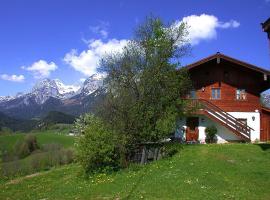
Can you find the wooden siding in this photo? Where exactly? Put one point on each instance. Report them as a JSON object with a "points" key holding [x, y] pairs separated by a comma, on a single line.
{"points": [[228, 77]]}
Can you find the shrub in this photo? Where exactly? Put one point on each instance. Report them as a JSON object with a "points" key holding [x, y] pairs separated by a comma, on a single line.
{"points": [[52, 147], [26, 146], [171, 149], [12, 168], [67, 156], [37, 162], [96, 145], [21, 149], [5, 131], [211, 132], [31, 141]]}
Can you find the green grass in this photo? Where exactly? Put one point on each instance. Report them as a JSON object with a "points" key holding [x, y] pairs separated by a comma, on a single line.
{"points": [[50, 136], [25, 166], [232, 171]]}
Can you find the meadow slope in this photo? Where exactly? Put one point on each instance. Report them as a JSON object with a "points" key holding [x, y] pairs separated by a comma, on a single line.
{"points": [[231, 171]]}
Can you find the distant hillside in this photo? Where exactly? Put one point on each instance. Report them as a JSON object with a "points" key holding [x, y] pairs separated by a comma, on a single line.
{"points": [[53, 117], [56, 117], [16, 124]]}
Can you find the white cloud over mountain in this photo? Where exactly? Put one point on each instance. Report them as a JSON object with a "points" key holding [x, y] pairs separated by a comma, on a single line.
{"points": [[13, 78], [204, 27], [87, 61], [200, 27], [41, 68]]}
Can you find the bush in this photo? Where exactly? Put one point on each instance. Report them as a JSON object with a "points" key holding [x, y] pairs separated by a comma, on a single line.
{"points": [[26, 146], [31, 141], [52, 147], [211, 132], [37, 162], [96, 145], [12, 168], [5, 131], [171, 149], [67, 156]]}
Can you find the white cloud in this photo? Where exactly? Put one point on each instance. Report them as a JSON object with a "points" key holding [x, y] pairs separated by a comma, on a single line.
{"points": [[14, 78], [101, 29], [82, 80], [41, 68], [200, 27], [204, 27], [87, 61], [230, 24]]}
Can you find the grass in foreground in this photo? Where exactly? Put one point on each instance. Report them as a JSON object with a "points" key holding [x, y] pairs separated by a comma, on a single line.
{"points": [[232, 171]]}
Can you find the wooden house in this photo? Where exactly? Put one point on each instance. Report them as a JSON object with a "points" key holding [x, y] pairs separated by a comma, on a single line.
{"points": [[227, 94]]}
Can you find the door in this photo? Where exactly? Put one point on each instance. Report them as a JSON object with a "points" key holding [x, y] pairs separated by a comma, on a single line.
{"points": [[265, 127], [192, 131]]}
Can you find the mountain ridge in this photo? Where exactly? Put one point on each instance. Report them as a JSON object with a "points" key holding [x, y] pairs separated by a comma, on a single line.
{"points": [[53, 95]]}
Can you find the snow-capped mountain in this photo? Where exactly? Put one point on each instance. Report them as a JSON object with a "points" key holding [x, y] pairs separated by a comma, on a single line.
{"points": [[45, 89], [67, 91], [6, 98], [265, 99], [53, 95], [91, 84], [53, 88]]}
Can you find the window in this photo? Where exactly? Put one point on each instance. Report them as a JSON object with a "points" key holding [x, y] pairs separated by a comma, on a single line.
{"points": [[241, 94], [215, 93]]}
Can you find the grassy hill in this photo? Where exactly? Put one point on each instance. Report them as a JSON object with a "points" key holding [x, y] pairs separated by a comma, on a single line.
{"points": [[51, 118], [55, 117], [50, 136], [16, 124], [232, 171]]}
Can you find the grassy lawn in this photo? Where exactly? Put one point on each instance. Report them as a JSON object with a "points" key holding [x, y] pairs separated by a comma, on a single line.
{"points": [[232, 171], [8, 141]]}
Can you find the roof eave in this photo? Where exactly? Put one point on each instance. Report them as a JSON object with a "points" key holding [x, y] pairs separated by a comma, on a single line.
{"points": [[233, 60]]}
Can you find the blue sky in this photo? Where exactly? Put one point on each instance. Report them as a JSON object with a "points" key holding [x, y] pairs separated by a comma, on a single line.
{"points": [[65, 38]]}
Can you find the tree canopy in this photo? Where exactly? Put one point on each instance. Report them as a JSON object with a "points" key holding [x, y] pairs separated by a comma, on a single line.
{"points": [[144, 84]]}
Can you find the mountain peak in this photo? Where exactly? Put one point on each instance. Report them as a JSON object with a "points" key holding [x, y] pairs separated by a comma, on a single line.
{"points": [[92, 83], [53, 95], [46, 88]]}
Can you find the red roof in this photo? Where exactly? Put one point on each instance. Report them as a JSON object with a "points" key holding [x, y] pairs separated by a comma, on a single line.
{"points": [[230, 59]]}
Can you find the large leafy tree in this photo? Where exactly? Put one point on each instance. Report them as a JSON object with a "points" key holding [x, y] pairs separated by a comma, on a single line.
{"points": [[144, 84]]}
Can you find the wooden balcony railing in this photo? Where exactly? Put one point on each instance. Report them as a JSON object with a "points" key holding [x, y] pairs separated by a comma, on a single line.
{"points": [[213, 111]]}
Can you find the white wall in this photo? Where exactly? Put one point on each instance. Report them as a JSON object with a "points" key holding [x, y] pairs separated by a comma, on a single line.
{"points": [[255, 134], [223, 134]]}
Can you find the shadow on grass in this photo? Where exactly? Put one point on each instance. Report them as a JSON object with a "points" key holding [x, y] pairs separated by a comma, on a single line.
{"points": [[264, 146]]}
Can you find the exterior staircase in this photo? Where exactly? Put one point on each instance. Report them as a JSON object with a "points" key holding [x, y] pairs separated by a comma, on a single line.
{"points": [[202, 106]]}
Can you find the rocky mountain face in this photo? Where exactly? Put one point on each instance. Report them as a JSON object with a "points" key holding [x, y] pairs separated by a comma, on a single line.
{"points": [[91, 84], [52, 95], [265, 99]]}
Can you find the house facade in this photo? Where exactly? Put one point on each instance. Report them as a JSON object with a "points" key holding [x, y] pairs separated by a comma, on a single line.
{"points": [[226, 94]]}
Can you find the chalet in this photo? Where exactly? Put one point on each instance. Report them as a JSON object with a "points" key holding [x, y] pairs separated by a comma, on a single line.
{"points": [[227, 95]]}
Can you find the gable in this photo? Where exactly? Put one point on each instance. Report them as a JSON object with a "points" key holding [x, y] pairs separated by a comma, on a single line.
{"points": [[222, 68]]}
